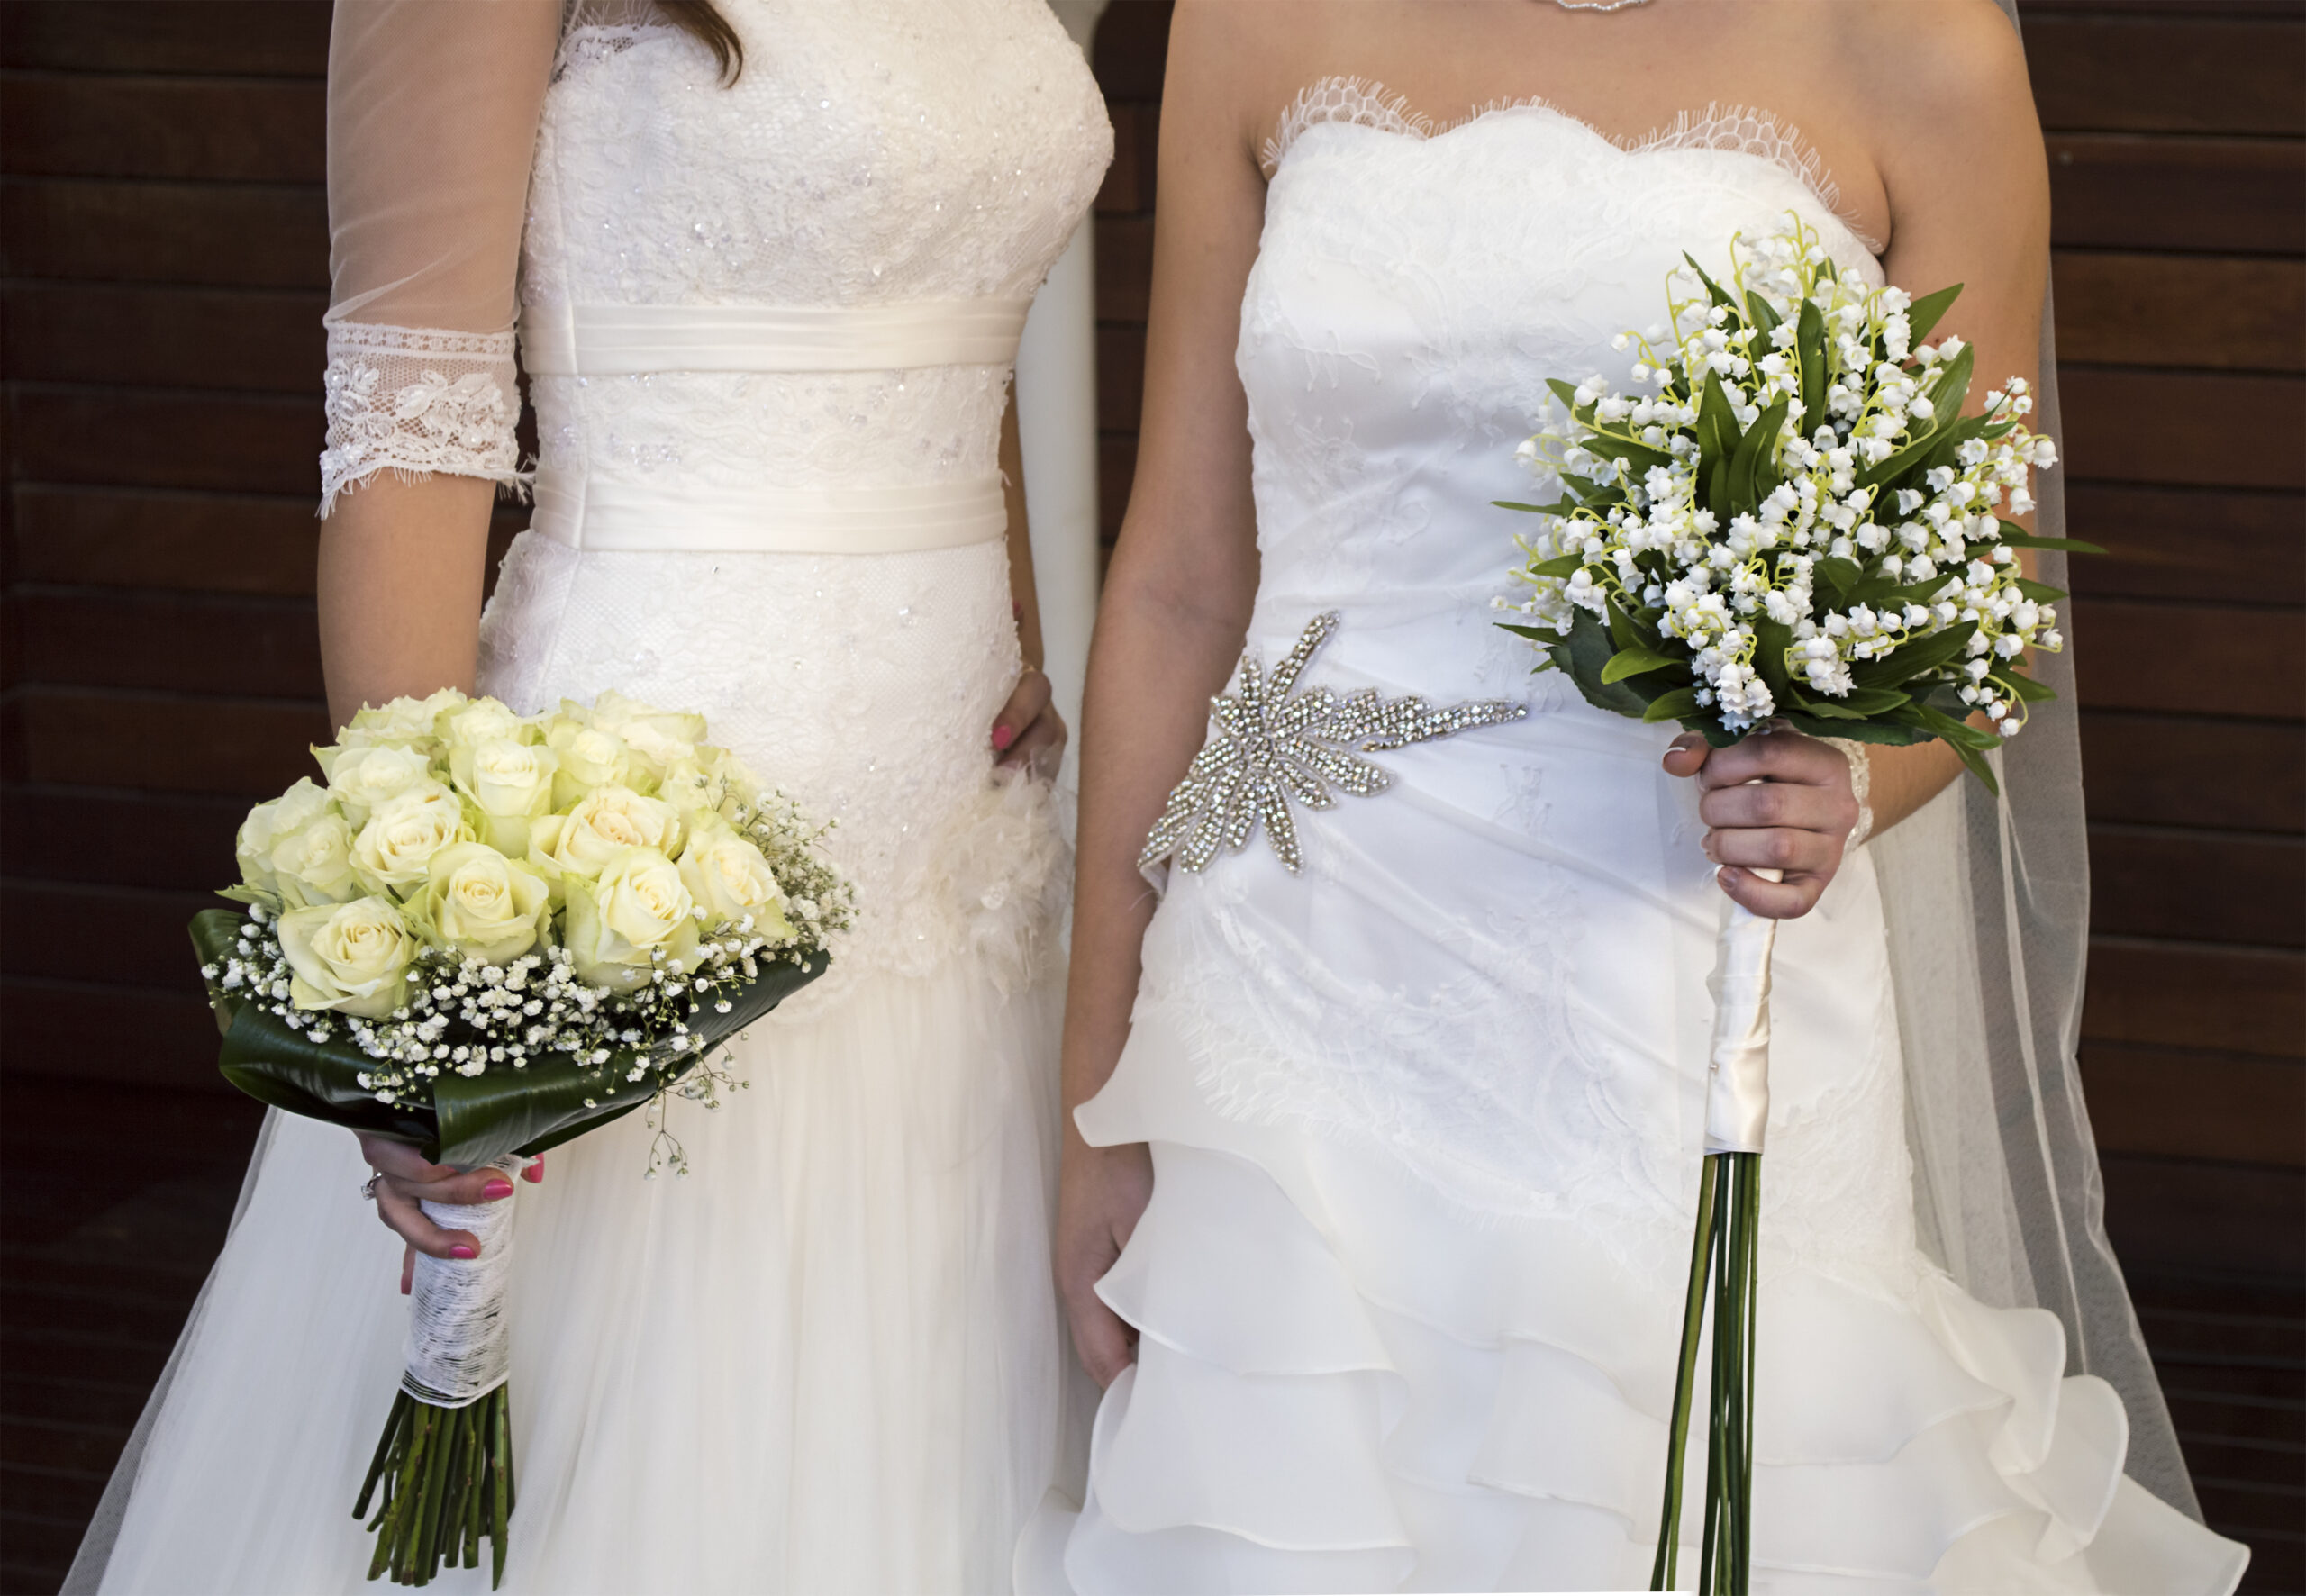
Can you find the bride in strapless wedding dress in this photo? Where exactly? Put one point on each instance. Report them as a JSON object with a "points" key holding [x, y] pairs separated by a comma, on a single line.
{"points": [[772, 258], [1377, 1196]]}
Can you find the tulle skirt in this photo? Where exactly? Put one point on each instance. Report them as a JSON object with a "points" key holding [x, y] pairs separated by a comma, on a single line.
{"points": [[827, 1360]]}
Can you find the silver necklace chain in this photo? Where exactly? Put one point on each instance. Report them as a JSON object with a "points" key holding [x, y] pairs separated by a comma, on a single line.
{"points": [[1598, 4]]}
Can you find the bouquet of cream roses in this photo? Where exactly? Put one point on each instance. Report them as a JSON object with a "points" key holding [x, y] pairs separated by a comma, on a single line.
{"points": [[1794, 525], [484, 935]]}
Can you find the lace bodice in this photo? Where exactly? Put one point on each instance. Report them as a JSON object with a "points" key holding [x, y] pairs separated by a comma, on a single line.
{"points": [[1495, 969], [872, 154]]}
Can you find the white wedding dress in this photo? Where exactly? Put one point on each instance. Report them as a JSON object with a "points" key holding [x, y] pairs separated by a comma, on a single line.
{"points": [[768, 329], [1425, 1118]]}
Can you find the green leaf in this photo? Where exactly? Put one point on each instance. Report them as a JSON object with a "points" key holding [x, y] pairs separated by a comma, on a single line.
{"points": [[2041, 593], [1634, 662], [1758, 311], [1557, 508], [1810, 343], [1952, 387], [2018, 536], [1837, 574], [1923, 654], [1711, 288], [1771, 640], [1561, 565], [1672, 706], [1638, 454], [1758, 442], [1582, 657], [1629, 630], [1862, 703], [1536, 634], [1925, 312], [2024, 687], [1564, 392], [1888, 733]]}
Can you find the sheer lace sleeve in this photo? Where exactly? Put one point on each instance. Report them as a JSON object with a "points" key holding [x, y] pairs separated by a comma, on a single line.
{"points": [[432, 112]]}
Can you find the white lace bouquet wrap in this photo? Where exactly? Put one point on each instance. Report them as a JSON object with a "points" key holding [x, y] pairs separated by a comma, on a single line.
{"points": [[486, 934], [1791, 524]]}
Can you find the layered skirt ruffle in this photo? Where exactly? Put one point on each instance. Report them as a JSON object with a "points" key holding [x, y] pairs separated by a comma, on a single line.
{"points": [[1345, 1383]]}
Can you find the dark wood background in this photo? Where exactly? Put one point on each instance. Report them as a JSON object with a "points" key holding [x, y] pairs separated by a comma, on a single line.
{"points": [[166, 247]]}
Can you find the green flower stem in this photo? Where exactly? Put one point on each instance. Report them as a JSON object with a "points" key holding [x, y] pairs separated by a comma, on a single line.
{"points": [[446, 1479], [1724, 1263]]}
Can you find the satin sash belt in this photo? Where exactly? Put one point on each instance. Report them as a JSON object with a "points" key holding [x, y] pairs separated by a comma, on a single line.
{"points": [[589, 513], [621, 340]]}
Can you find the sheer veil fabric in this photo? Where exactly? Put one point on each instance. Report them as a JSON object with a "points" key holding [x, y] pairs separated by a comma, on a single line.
{"points": [[1991, 958]]}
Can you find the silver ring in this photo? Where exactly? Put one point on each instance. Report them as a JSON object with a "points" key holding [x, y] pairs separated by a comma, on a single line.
{"points": [[369, 1187]]}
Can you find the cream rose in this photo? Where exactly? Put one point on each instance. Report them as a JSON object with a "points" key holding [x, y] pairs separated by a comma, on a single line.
{"points": [[701, 785], [403, 719], [620, 921], [293, 850], [510, 782], [476, 901], [729, 878], [656, 737], [604, 821], [394, 850], [589, 758], [352, 958], [481, 719], [364, 780]]}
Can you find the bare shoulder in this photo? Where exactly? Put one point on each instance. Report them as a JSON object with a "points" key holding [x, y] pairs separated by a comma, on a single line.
{"points": [[1243, 63], [1936, 64]]}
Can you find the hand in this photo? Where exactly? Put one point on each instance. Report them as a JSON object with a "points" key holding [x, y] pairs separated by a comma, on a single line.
{"points": [[1778, 800], [1028, 734], [404, 1180], [1099, 1193]]}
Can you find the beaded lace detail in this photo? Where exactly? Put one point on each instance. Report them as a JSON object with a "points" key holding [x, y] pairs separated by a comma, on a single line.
{"points": [[413, 400], [1742, 129]]}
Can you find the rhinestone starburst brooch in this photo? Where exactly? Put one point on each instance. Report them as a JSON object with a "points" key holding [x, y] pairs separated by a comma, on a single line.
{"points": [[1270, 744]]}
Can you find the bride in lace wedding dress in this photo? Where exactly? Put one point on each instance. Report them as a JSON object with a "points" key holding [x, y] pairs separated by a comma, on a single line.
{"points": [[768, 306], [1377, 1220]]}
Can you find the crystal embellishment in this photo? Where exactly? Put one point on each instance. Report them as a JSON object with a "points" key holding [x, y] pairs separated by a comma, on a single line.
{"points": [[1271, 744]]}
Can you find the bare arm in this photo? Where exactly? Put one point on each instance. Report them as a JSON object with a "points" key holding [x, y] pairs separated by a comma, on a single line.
{"points": [[1027, 732], [1175, 608], [401, 568], [1960, 156]]}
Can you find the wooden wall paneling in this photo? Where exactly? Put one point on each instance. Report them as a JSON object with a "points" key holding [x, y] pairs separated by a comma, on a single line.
{"points": [[2188, 543], [2196, 1104], [2187, 195], [2205, 886], [2217, 430], [2199, 660], [238, 235], [2236, 314], [160, 538], [139, 336], [75, 124], [162, 741], [158, 840], [228, 38], [2174, 73], [240, 443], [2194, 994], [174, 642], [2165, 770]]}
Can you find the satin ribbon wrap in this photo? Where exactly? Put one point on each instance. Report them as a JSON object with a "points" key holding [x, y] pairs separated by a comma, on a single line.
{"points": [[1737, 1087], [459, 1336]]}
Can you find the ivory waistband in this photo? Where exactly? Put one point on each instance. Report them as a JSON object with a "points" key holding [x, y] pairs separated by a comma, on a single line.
{"points": [[615, 341], [587, 513]]}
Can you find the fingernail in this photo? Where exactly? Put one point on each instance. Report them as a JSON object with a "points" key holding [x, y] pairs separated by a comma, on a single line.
{"points": [[497, 1189], [1002, 737], [534, 1173], [461, 1251]]}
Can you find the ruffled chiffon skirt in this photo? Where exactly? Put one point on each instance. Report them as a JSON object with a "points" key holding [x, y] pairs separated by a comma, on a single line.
{"points": [[826, 1361], [1343, 1384]]}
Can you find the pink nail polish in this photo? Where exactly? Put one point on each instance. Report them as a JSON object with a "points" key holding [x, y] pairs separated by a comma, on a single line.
{"points": [[497, 1189], [534, 1173], [461, 1251], [1002, 737]]}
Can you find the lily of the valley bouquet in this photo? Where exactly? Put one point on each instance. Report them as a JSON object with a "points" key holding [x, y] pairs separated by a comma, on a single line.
{"points": [[484, 935], [1795, 524]]}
